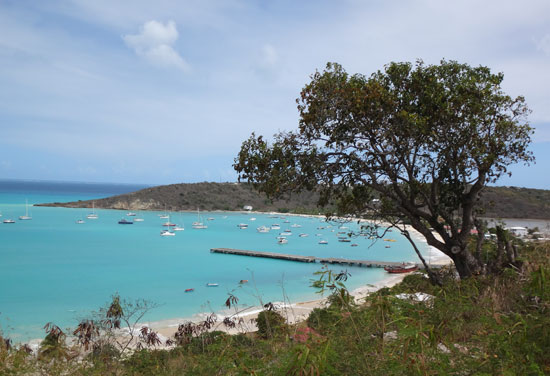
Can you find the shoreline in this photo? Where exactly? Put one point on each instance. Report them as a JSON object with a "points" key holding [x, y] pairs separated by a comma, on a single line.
{"points": [[293, 311]]}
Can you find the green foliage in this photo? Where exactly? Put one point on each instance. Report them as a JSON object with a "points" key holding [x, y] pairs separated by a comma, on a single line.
{"points": [[270, 323], [53, 346], [322, 319]]}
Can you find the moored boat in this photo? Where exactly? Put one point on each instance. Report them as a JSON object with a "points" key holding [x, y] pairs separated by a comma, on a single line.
{"points": [[263, 229], [212, 285], [167, 233], [92, 215], [26, 217], [124, 221], [198, 225], [189, 290], [9, 221], [403, 268]]}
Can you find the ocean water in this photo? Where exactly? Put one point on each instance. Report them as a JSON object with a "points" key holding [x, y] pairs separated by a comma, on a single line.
{"points": [[55, 270]]}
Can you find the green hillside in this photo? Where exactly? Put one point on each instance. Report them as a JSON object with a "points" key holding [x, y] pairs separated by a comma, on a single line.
{"points": [[498, 202], [206, 196]]}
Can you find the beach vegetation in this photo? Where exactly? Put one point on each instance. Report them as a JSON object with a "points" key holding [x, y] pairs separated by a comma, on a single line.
{"points": [[412, 143], [494, 324], [270, 323]]}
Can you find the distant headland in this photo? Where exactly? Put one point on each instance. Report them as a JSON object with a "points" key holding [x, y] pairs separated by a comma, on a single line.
{"points": [[499, 202]]}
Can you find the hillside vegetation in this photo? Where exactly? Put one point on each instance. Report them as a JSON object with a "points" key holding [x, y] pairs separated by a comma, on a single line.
{"points": [[498, 202], [206, 196], [484, 325]]}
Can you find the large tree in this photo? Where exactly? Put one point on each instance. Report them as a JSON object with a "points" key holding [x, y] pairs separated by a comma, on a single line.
{"points": [[413, 143]]}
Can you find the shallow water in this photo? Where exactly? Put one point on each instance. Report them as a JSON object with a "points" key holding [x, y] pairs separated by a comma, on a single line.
{"points": [[53, 269]]}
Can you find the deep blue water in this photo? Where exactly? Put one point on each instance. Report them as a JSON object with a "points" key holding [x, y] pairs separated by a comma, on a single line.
{"points": [[53, 269]]}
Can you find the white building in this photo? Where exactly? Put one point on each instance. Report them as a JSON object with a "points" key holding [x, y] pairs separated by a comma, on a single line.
{"points": [[518, 231]]}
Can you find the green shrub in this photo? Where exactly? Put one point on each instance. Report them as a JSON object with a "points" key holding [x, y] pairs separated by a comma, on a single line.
{"points": [[270, 323], [322, 319]]}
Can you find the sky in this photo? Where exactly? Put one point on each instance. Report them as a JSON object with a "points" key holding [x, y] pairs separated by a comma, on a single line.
{"points": [[160, 92]]}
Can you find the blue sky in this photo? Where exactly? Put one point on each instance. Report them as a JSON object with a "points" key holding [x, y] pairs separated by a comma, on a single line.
{"points": [[166, 91]]}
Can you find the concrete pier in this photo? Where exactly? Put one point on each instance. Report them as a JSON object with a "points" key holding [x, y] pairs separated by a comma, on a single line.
{"points": [[330, 260]]}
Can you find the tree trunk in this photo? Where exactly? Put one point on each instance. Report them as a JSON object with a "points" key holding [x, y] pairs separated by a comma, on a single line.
{"points": [[465, 263], [433, 277]]}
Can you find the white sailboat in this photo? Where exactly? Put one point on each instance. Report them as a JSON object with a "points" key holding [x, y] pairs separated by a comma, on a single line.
{"points": [[167, 233], [92, 215], [26, 217], [179, 228], [198, 225]]}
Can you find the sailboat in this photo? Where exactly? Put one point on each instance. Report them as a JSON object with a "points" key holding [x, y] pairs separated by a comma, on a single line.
{"points": [[26, 217], [178, 228], [165, 215], [198, 224], [167, 233], [168, 223], [92, 215]]}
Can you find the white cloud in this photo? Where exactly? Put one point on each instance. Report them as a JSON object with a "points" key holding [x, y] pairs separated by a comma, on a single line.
{"points": [[154, 43], [544, 44]]}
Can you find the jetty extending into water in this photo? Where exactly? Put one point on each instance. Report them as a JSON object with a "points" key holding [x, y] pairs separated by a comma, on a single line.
{"points": [[322, 260]]}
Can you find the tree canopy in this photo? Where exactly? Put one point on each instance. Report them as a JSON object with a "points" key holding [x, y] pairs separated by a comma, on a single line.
{"points": [[423, 139]]}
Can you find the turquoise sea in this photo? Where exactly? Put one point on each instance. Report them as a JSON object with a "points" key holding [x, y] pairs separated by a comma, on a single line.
{"points": [[53, 269]]}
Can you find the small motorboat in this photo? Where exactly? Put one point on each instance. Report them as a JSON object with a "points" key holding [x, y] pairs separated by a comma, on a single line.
{"points": [[130, 214], [282, 240], [295, 225], [263, 229], [80, 221], [323, 242], [189, 290], [355, 245], [303, 235], [212, 285], [403, 268], [242, 226], [123, 221], [243, 281], [138, 219], [286, 233], [9, 221], [167, 233], [275, 226]]}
